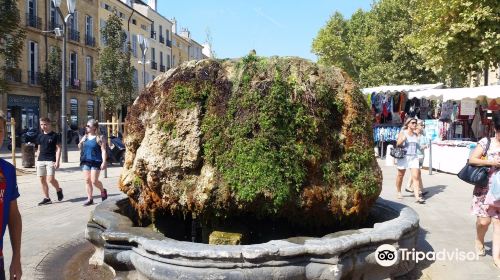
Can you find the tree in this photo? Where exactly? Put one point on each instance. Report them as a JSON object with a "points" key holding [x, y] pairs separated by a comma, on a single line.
{"points": [[114, 69], [370, 45], [11, 39], [51, 80], [457, 37]]}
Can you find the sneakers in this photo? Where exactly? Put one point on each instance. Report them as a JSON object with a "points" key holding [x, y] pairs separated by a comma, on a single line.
{"points": [[60, 195], [89, 202], [45, 201], [104, 194]]}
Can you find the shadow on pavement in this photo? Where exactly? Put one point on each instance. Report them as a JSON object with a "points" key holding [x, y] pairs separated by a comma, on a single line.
{"points": [[96, 198]]}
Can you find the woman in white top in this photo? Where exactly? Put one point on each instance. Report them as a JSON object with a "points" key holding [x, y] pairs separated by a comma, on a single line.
{"points": [[408, 139]]}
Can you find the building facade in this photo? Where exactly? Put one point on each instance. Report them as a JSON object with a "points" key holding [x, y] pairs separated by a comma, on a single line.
{"points": [[26, 101], [160, 40]]}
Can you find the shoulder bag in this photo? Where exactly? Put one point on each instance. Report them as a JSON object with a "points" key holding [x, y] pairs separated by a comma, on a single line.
{"points": [[476, 175]]}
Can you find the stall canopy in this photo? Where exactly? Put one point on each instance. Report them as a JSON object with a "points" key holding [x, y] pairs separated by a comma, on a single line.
{"points": [[401, 88], [490, 92]]}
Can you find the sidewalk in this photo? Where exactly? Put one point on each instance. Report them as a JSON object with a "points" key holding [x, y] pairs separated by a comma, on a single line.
{"points": [[446, 223], [445, 219], [48, 227]]}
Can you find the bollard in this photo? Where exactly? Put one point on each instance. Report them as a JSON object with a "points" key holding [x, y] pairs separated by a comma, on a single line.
{"points": [[13, 142], [430, 157], [107, 143]]}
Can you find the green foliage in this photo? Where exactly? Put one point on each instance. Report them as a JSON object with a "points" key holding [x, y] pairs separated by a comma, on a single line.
{"points": [[370, 46], [457, 37], [11, 39], [262, 142], [51, 80], [183, 97], [113, 68]]}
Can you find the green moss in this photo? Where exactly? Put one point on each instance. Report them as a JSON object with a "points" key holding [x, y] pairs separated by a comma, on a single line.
{"points": [[137, 182], [262, 143]]}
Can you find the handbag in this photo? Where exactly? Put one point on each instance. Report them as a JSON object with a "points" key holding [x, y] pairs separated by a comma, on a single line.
{"points": [[475, 175], [398, 152]]}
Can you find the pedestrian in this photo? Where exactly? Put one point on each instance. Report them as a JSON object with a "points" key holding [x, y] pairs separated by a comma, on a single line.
{"points": [[487, 153], [49, 158], [423, 144], [93, 159], [408, 139], [9, 212]]}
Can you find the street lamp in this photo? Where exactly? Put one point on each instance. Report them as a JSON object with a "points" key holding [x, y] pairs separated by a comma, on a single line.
{"points": [[143, 44], [71, 10]]}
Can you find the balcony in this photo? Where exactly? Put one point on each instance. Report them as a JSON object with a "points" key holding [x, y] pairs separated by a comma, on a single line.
{"points": [[53, 25], [89, 40], [13, 75], [162, 68], [90, 86], [169, 43], [153, 34], [74, 83], [154, 65], [33, 21], [73, 35], [162, 39], [33, 78]]}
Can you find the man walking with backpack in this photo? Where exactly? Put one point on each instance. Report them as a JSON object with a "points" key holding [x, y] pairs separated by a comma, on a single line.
{"points": [[49, 158]]}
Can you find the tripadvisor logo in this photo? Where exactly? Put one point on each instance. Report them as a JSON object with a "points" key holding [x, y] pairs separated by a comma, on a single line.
{"points": [[386, 255]]}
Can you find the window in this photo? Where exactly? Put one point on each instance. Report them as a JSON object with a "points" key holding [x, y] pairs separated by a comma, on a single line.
{"points": [[144, 27], [161, 58], [32, 8], [168, 61], [73, 70], [89, 26], [73, 21], [103, 25], [32, 62], [90, 109], [173, 60], [107, 7], [168, 35], [134, 22], [54, 16], [73, 111], [153, 55], [134, 45], [88, 68]]}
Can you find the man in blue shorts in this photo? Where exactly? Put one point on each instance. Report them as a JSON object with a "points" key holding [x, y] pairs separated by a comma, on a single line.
{"points": [[9, 213]]}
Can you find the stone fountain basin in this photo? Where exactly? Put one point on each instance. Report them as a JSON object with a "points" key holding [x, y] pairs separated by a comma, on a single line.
{"points": [[341, 255]]}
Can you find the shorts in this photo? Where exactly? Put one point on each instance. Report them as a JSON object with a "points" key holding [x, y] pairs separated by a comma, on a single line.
{"points": [[408, 162], [45, 168], [86, 167]]}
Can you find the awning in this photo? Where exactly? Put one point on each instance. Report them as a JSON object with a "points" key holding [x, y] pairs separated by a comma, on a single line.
{"points": [[401, 88], [490, 92]]}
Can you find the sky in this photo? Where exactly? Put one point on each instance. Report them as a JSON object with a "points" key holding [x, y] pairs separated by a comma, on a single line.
{"points": [[271, 27]]}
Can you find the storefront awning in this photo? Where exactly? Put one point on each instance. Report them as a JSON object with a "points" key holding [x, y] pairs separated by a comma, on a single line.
{"points": [[490, 92], [401, 88]]}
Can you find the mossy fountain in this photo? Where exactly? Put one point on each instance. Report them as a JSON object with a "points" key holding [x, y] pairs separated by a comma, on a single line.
{"points": [[257, 168]]}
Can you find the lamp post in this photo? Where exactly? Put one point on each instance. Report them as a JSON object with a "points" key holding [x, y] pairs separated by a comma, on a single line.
{"points": [[143, 44], [64, 129]]}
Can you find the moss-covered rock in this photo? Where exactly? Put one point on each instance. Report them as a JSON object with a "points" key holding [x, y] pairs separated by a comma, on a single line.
{"points": [[262, 136]]}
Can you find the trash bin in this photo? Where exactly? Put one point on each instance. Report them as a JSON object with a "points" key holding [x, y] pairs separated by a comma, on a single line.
{"points": [[28, 154]]}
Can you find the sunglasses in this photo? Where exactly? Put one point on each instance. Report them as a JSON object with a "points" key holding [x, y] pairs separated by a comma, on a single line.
{"points": [[89, 126], [413, 122]]}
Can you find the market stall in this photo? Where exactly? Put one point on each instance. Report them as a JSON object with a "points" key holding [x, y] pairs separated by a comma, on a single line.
{"points": [[470, 120], [389, 106], [455, 119]]}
